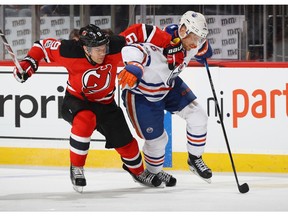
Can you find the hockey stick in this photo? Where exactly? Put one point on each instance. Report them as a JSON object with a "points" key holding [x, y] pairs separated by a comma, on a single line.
{"points": [[10, 51], [244, 188]]}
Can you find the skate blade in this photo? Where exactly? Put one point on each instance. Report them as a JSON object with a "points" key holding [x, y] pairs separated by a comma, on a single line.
{"points": [[195, 172], [78, 189], [207, 180], [162, 185]]}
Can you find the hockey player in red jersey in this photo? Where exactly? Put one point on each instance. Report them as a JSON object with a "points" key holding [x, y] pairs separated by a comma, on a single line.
{"points": [[89, 101], [150, 87]]}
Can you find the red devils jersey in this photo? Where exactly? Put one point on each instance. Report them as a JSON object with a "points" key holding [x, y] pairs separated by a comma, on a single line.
{"points": [[146, 33], [95, 82]]}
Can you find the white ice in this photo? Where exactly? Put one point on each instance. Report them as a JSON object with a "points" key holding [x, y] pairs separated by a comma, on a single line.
{"points": [[49, 190]]}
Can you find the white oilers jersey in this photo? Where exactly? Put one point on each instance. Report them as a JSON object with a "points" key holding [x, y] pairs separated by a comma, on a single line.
{"points": [[157, 79]]}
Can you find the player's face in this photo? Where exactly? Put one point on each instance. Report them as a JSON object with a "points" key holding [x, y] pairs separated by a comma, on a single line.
{"points": [[191, 41], [98, 54]]}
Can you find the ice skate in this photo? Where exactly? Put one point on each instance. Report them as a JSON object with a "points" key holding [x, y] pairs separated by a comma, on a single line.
{"points": [[168, 179], [198, 167], [77, 178], [145, 178]]}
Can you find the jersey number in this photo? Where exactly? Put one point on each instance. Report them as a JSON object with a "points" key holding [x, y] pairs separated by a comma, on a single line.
{"points": [[52, 44], [131, 38]]}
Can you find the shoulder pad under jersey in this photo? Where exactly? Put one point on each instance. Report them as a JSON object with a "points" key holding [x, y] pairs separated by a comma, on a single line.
{"points": [[71, 49], [172, 30], [117, 42]]}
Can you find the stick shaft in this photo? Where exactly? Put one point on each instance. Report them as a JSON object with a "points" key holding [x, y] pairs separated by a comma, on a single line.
{"points": [[10, 51], [221, 120]]}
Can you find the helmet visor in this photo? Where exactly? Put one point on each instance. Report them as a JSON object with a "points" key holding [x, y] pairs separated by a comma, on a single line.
{"points": [[102, 49]]}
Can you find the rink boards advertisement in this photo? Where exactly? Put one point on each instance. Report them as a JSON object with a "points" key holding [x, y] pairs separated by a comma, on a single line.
{"points": [[254, 103]]}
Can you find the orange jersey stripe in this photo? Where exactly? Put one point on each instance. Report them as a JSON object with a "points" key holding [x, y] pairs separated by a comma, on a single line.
{"points": [[130, 109], [154, 90]]}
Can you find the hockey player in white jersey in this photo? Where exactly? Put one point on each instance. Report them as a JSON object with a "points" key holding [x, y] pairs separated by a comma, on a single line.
{"points": [[150, 87]]}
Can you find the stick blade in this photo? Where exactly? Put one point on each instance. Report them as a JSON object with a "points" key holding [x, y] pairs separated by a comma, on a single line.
{"points": [[244, 188]]}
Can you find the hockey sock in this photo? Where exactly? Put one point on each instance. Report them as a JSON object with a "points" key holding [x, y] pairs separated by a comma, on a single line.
{"points": [[131, 157], [83, 126]]}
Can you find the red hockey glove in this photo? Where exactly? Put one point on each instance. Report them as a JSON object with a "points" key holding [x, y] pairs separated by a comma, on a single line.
{"points": [[131, 73], [29, 66], [174, 53], [204, 52]]}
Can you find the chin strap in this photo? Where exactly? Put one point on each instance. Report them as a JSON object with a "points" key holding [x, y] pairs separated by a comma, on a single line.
{"points": [[90, 59], [88, 56]]}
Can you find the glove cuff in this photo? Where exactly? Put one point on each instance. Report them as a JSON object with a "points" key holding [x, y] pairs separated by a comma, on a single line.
{"points": [[32, 62], [203, 50], [135, 68]]}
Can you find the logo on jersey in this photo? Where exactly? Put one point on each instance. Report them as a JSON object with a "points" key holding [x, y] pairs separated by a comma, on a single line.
{"points": [[149, 130], [95, 80]]}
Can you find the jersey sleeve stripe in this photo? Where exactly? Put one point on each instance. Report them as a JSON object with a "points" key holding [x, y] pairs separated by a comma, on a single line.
{"points": [[41, 46], [151, 34], [144, 32]]}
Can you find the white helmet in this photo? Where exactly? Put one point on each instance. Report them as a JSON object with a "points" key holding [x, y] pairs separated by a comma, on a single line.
{"points": [[194, 22]]}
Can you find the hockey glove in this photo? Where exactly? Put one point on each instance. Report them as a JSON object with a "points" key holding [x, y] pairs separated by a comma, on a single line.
{"points": [[204, 52], [131, 73], [29, 66], [174, 53]]}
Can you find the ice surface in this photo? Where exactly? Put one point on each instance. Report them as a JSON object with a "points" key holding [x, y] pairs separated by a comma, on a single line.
{"points": [[108, 190]]}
